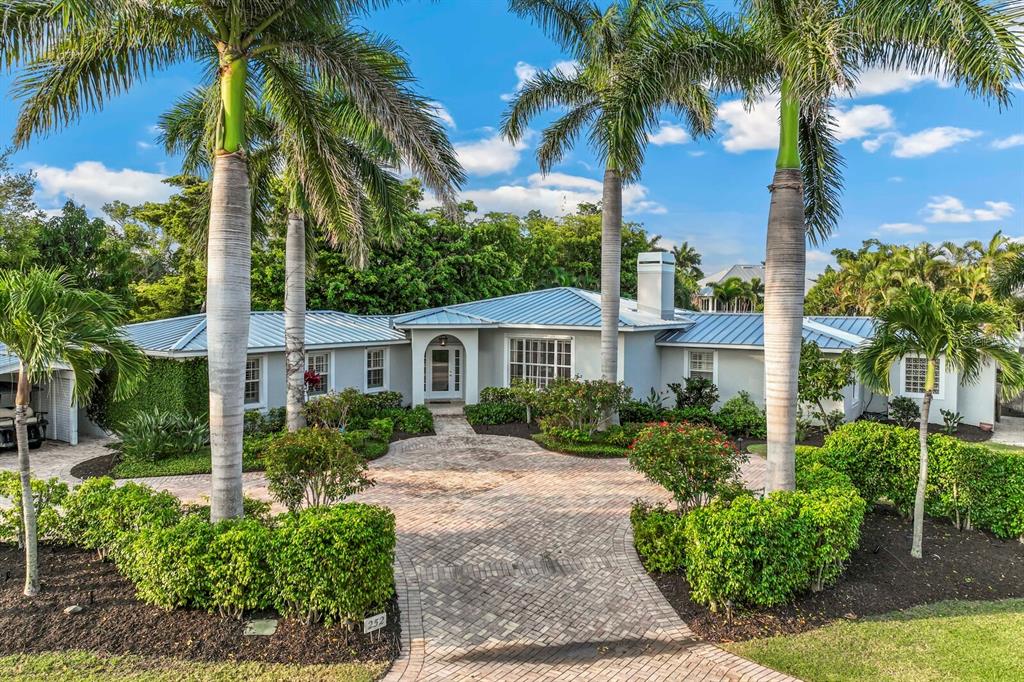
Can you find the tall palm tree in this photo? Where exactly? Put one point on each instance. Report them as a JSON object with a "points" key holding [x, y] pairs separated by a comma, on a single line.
{"points": [[805, 53], [339, 175], [44, 322], [1009, 277], [77, 55], [608, 44], [939, 327]]}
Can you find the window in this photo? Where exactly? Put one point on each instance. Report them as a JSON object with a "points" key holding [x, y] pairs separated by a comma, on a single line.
{"points": [[539, 360], [914, 372], [375, 368], [320, 363], [702, 364], [253, 377]]}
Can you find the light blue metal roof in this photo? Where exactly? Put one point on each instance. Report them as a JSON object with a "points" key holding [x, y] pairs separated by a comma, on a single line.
{"points": [[559, 307], [747, 329], [187, 335]]}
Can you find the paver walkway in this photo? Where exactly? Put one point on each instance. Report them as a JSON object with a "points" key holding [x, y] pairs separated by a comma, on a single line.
{"points": [[1009, 430], [515, 563]]}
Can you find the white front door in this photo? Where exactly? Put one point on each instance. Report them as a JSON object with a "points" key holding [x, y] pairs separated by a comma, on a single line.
{"points": [[443, 373]]}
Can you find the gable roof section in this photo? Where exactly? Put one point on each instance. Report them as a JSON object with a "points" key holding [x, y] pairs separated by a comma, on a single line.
{"points": [[558, 307], [186, 335], [746, 330]]}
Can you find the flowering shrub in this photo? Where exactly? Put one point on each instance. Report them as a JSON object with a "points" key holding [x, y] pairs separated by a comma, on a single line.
{"points": [[580, 404], [691, 461], [312, 380]]}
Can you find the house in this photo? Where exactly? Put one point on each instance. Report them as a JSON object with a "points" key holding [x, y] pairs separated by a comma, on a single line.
{"points": [[706, 299], [54, 412], [451, 352]]}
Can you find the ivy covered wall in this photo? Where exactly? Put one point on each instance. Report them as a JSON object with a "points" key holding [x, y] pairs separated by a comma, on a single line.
{"points": [[180, 386]]}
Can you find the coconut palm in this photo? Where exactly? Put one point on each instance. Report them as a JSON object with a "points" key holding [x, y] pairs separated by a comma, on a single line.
{"points": [[1009, 277], [45, 322], [607, 45], [77, 55], [939, 327], [803, 54]]}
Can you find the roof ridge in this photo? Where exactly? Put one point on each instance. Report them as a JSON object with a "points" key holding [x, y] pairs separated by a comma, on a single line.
{"points": [[190, 335]]}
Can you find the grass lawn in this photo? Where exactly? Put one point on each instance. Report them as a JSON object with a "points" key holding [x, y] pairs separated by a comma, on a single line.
{"points": [[944, 641], [758, 449], [82, 666], [1003, 447], [195, 463]]}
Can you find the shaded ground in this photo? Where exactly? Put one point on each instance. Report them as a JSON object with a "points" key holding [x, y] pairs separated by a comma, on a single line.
{"points": [[881, 578], [114, 622], [515, 429]]}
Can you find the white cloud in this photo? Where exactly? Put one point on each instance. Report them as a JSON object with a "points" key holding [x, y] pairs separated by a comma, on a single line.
{"points": [[525, 71], [668, 133], [442, 114], [895, 178], [490, 155], [817, 261], [923, 143], [143, 145], [758, 127], [1008, 142], [556, 194], [879, 81], [901, 228], [949, 209], [92, 184], [696, 153]]}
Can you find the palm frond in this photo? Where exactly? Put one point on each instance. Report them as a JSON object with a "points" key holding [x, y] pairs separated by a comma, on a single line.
{"points": [[567, 22], [545, 90], [821, 167]]}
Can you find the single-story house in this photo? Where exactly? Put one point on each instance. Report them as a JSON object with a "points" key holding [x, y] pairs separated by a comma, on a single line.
{"points": [[451, 352], [54, 412]]}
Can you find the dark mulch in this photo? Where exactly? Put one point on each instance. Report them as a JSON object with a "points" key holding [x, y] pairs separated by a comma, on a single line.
{"points": [[965, 432], [515, 429], [114, 622], [814, 438], [403, 435], [95, 467], [882, 577]]}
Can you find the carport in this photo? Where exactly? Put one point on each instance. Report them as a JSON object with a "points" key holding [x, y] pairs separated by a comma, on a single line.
{"points": [[50, 401]]}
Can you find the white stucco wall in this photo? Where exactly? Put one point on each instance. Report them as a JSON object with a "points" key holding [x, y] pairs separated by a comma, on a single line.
{"points": [[736, 370], [641, 364], [977, 401], [946, 400]]}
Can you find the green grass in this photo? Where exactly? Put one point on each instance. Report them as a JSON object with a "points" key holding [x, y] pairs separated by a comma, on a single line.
{"points": [[944, 641], [1003, 447], [596, 450], [758, 449], [83, 666]]}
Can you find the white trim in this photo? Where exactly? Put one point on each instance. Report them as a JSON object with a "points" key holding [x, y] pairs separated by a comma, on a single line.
{"points": [[366, 369], [456, 375], [327, 383], [940, 373], [262, 404], [730, 346], [849, 337], [566, 327], [714, 362], [507, 350]]}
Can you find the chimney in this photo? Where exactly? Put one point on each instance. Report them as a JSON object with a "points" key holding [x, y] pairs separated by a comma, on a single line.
{"points": [[656, 284]]}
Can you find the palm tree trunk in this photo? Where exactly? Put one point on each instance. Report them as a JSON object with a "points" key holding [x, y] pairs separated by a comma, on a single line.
{"points": [[922, 471], [227, 330], [295, 318], [28, 507], [611, 264]]}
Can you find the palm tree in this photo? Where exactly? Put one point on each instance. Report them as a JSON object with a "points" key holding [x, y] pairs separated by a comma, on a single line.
{"points": [[608, 45], [939, 327], [77, 55], [1009, 277], [45, 322], [688, 259], [806, 53]]}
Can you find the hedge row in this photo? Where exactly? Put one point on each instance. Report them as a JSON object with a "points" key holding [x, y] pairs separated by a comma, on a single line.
{"points": [[757, 551], [179, 387], [968, 483], [324, 563]]}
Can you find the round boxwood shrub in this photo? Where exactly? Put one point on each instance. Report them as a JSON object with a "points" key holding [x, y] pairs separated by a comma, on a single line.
{"points": [[240, 566]]}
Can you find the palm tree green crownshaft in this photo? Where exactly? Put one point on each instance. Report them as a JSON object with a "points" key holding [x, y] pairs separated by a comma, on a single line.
{"points": [[45, 322], [949, 333], [77, 55], [608, 46], [806, 53]]}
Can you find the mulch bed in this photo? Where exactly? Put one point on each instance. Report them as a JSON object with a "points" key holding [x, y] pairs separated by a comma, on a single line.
{"points": [[404, 435], [114, 622], [515, 429], [881, 578], [95, 467]]}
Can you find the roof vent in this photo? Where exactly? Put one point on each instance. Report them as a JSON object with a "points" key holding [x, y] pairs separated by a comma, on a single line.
{"points": [[656, 284]]}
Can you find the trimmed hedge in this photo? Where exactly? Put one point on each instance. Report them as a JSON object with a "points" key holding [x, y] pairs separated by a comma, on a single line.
{"points": [[495, 413], [177, 386], [595, 450], [970, 484]]}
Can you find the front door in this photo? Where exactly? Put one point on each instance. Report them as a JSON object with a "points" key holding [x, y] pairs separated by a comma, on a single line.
{"points": [[443, 370]]}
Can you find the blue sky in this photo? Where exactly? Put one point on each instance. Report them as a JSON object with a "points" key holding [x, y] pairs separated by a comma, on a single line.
{"points": [[924, 161]]}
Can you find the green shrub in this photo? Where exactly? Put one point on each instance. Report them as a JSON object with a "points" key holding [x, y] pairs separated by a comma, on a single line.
{"points": [[689, 460], [658, 537], [495, 413], [414, 420], [497, 395], [697, 392], [259, 423], [334, 563], [252, 508], [580, 404], [158, 434], [170, 565], [47, 497], [740, 417], [904, 411], [176, 386], [869, 453], [240, 566], [587, 449], [950, 421], [381, 429], [696, 415], [313, 466], [332, 410], [364, 443], [622, 435]]}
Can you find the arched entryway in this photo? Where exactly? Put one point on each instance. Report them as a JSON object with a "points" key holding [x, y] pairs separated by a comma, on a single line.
{"points": [[444, 369]]}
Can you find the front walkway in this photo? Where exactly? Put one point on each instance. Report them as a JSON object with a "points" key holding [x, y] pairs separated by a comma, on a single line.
{"points": [[515, 563], [1010, 431]]}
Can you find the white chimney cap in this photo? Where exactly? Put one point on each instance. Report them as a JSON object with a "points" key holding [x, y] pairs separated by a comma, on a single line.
{"points": [[656, 257]]}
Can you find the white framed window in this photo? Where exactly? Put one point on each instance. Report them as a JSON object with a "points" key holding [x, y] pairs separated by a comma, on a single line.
{"points": [[376, 369], [321, 364], [913, 371], [253, 388], [539, 360], [702, 364]]}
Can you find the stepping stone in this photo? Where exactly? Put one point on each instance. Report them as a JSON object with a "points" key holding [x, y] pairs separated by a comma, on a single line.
{"points": [[261, 627]]}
